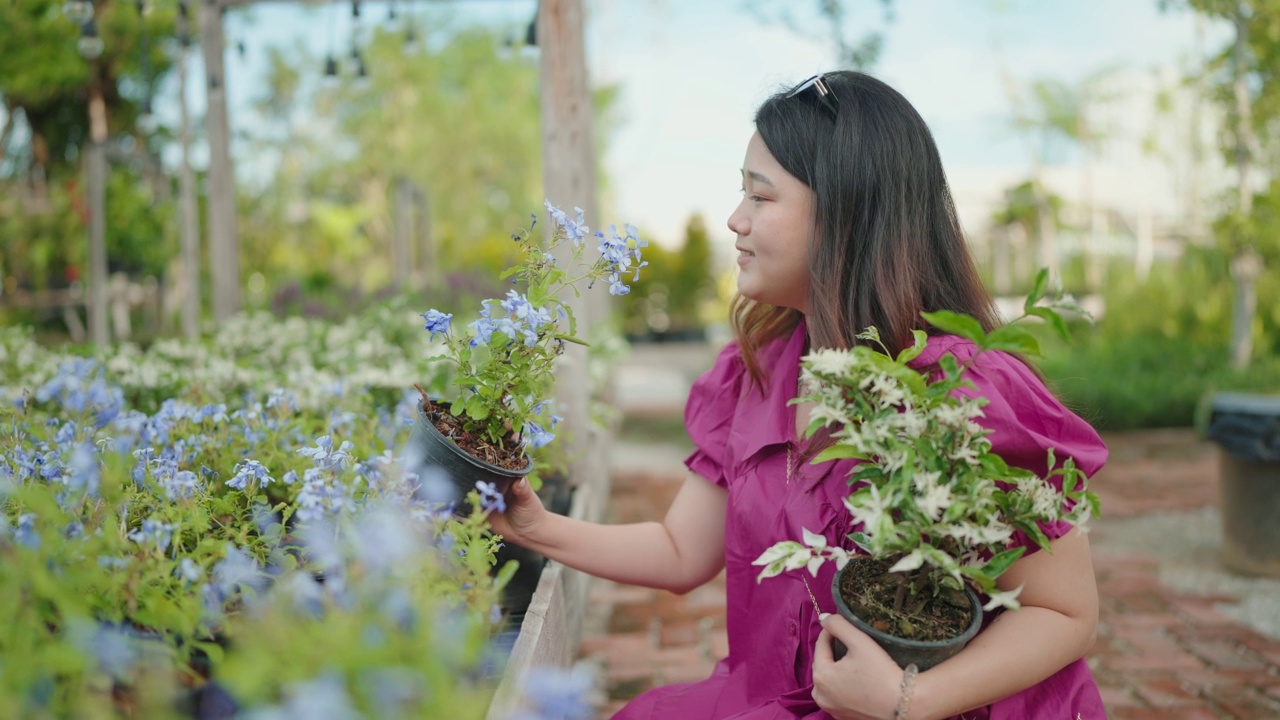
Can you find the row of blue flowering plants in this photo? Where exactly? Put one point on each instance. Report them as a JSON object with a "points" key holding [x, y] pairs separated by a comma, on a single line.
{"points": [[224, 528]]}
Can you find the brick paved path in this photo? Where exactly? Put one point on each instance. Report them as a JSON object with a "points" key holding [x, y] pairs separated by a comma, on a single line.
{"points": [[1160, 653]]}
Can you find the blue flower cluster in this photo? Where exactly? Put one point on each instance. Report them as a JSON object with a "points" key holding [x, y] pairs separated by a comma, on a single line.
{"points": [[621, 255], [156, 527]]}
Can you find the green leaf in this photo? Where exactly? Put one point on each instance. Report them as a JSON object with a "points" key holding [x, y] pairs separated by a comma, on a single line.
{"points": [[1052, 317], [838, 452], [213, 650], [1011, 338], [956, 324], [911, 353], [507, 572], [1037, 290], [998, 564]]}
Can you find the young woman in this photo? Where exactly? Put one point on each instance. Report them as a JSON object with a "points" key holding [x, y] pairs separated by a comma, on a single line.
{"points": [[846, 221]]}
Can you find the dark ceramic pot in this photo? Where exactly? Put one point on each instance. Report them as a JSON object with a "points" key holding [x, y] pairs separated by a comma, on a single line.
{"points": [[905, 652], [430, 450]]}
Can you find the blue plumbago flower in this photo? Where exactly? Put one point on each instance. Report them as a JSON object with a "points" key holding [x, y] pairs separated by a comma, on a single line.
{"points": [[154, 532], [324, 698], [290, 477], [115, 649], [25, 534], [618, 253], [384, 537], [554, 692], [323, 455], [437, 323], [482, 332], [321, 495], [189, 571], [282, 399], [341, 420], [66, 433], [535, 437], [142, 458], [216, 413], [181, 485], [84, 472], [250, 470], [234, 572], [490, 498], [395, 691], [574, 228], [307, 594], [113, 563]]}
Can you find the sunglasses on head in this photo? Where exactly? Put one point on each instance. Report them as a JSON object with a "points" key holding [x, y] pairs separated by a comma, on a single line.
{"points": [[818, 84]]}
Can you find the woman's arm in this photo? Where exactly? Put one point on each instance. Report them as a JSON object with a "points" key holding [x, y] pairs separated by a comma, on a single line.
{"points": [[1054, 627], [678, 554]]}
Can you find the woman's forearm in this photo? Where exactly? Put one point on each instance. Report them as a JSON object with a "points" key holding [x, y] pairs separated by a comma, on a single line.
{"points": [[678, 554], [1001, 661], [637, 554]]}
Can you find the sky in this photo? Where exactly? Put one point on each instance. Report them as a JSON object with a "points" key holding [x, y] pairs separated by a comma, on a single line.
{"points": [[692, 73]]}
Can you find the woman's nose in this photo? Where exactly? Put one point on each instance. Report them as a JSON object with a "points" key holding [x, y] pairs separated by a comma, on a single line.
{"points": [[738, 221]]}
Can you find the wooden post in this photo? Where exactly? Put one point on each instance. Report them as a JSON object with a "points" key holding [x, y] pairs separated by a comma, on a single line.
{"points": [[96, 187], [569, 179], [190, 231], [224, 246]]}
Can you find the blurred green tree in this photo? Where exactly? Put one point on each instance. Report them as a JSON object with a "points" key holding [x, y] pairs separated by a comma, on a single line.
{"points": [[1244, 78], [45, 83]]}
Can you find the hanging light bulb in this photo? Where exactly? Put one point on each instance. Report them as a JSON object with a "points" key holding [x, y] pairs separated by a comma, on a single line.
{"points": [[78, 11], [90, 45]]}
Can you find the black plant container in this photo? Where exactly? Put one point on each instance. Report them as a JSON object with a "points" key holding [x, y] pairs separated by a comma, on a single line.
{"points": [[924, 654], [432, 450]]}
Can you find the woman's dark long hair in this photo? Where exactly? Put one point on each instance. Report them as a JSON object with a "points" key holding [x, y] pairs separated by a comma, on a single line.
{"points": [[888, 245]]}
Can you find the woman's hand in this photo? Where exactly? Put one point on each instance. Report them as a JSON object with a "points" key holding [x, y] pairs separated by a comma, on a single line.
{"points": [[524, 512], [864, 684]]}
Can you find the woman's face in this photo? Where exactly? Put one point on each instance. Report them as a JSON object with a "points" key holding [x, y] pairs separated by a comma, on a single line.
{"points": [[774, 226]]}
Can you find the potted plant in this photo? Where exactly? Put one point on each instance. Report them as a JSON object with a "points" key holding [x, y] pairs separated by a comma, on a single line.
{"points": [[504, 362], [933, 506]]}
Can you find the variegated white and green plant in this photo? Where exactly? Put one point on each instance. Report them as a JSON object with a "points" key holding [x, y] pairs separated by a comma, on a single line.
{"points": [[928, 492]]}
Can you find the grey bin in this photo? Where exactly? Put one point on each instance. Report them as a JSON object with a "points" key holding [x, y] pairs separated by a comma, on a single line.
{"points": [[1247, 427]]}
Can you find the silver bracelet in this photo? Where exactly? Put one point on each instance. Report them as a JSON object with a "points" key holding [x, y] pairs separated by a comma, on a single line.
{"points": [[904, 692]]}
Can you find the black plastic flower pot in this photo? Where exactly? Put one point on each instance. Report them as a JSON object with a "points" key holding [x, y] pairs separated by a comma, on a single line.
{"points": [[923, 654], [430, 453]]}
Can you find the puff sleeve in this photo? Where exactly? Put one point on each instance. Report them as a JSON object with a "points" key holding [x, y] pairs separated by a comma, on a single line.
{"points": [[1026, 420], [709, 415]]}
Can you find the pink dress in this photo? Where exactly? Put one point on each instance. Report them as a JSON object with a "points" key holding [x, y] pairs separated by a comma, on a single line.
{"points": [[741, 439]]}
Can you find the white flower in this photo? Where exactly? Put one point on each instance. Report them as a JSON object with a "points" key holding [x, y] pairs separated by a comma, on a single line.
{"points": [[828, 415], [829, 362], [869, 508], [934, 501], [1004, 598]]}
